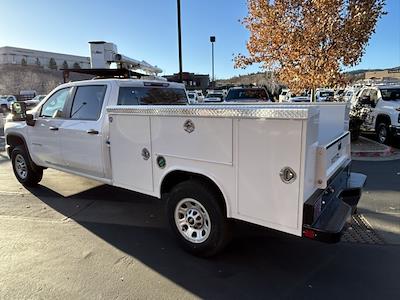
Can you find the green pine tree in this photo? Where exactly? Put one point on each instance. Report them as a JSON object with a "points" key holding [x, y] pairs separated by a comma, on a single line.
{"points": [[65, 65], [52, 64]]}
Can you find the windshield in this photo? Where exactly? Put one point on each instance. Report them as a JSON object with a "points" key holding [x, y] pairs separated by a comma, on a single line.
{"points": [[247, 94], [390, 94], [191, 96]]}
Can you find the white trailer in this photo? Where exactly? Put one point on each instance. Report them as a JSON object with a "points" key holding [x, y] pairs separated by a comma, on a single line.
{"points": [[285, 167]]}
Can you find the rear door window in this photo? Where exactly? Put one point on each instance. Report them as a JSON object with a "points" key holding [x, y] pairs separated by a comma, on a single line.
{"points": [[88, 102], [151, 96]]}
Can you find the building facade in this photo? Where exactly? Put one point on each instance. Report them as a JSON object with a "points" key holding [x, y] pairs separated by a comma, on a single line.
{"points": [[383, 75], [192, 81], [20, 56]]}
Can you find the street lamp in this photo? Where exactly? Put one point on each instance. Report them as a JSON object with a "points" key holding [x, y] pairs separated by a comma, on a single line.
{"points": [[212, 40], [178, 4]]}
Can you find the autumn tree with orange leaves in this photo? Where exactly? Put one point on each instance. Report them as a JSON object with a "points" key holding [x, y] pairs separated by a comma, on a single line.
{"points": [[308, 42]]}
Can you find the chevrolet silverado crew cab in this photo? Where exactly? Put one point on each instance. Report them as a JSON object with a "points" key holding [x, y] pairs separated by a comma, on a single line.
{"points": [[384, 116], [285, 167]]}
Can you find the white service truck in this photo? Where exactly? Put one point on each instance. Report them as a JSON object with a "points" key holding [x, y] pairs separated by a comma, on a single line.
{"points": [[285, 167], [383, 102]]}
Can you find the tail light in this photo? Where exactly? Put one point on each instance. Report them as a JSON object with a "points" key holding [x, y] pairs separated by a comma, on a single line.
{"points": [[309, 233]]}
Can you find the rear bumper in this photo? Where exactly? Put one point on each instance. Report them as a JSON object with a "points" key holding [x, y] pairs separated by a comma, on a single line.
{"points": [[327, 212]]}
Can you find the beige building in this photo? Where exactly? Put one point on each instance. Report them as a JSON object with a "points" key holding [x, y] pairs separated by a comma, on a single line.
{"points": [[386, 74], [13, 56]]}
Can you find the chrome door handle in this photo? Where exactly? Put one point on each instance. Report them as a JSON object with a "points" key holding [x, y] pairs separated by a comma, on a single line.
{"points": [[92, 131], [53, 128]]}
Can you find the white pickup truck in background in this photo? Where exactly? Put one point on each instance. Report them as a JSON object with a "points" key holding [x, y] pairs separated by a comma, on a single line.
{"points": [[285, 167], [383, 103]]}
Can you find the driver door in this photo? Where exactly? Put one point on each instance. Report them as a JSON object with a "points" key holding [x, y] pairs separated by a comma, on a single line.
{"points": [[44, 136]]}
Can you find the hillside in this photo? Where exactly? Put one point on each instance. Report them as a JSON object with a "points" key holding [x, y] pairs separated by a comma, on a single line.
{"points": [[267, 78], [14, 78]]}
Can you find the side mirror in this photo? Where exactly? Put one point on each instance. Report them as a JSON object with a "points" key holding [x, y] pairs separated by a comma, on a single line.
{"points": [[18, 110], [30, 120]]}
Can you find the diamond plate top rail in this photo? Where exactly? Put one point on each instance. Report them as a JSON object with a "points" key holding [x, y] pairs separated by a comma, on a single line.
{"points": [[267, 111]]}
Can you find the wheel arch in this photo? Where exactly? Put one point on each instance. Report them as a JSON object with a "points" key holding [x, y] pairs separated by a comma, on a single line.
{"points": [[176, 176], [13, 140]]}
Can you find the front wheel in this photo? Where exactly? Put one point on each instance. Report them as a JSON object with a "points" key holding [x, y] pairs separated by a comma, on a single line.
{"points": [[26, 172], [197, 218], [383, 133]]}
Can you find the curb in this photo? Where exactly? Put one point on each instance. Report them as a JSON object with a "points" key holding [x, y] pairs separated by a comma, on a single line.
{"points": [[387, 151]]}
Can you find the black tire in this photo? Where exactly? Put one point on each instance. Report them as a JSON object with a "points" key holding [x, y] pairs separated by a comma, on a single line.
{"points": [[383, 133], [219, 234], [21, 163], [354, 135]]}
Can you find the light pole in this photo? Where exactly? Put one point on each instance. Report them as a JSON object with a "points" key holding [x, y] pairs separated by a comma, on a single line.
{"points": [[212, 40], [178, 4]]}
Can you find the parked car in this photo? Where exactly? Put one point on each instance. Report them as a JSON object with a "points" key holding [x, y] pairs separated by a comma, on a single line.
{"points": [[199, 95], [247, 95], [302, 97], [6, 101], [322, 95], [338, 94], [192, 97], [214, 97], [348, 94], [27, 95], [287, 169], [283, 96], [384, 116]]}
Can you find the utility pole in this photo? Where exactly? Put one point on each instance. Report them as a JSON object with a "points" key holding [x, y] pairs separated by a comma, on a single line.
{"points": [[178, 3], [212, 40]]}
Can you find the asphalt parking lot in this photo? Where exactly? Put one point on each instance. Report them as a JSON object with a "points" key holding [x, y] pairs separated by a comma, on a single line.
{"points": [[75, 238]]}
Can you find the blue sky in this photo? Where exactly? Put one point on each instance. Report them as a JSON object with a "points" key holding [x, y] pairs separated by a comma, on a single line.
{"points": [[147, 29]]}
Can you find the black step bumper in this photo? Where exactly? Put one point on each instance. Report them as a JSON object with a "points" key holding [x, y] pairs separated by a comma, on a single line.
{"points": [[327, 212]]}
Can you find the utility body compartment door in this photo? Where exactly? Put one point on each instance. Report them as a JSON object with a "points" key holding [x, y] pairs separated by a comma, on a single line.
{"points": [[265, 148], [131, 159]]}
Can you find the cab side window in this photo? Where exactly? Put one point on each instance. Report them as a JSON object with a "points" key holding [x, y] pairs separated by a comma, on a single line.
{"points": [[88, 102], [128, 96], [54, 106]]}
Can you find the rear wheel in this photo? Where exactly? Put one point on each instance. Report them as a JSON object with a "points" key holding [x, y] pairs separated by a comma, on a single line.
{"points": [[25, 170], [383, 133], [197, 218]]}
